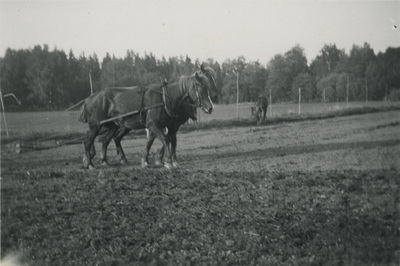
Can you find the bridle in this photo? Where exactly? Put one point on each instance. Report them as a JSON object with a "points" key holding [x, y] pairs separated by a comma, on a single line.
{"points": [[197, 102], [185, 100]]}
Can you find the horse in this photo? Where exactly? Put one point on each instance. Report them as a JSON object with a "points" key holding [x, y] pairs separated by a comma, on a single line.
{"points": [[183, 113], [116, 111], [260, 110]]}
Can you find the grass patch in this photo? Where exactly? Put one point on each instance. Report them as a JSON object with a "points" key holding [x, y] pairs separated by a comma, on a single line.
{"points": [[245, 122], [42, 136]]}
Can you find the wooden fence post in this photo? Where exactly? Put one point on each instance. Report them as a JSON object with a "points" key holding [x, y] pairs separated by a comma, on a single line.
{"points": [[270, 102], [237, 93], [299, 100], [4, 113], [347, 90]]}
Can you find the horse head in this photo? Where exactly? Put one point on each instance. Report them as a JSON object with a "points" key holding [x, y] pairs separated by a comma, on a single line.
{"points": [[200, 94], [255, 112], [209, 73]]}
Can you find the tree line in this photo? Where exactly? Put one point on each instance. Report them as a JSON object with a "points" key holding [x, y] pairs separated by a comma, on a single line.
{"points": [[44, 79]]}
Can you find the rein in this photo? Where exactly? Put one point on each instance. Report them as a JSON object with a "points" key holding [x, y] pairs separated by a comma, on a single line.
{"points": [[182, 101]]}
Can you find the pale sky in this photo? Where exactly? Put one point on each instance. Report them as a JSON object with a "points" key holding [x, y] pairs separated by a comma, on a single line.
{"points": [[222, 30]]}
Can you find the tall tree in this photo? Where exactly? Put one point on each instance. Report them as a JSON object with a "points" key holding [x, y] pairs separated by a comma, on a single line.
{"points": [[108, 75], [12, 73], [278, 81], [327, 61], [38, 76], [389, 70], [282, 72], [307, 85]]}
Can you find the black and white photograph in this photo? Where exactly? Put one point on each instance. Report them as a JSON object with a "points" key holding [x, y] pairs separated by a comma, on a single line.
{"points": [[189, 132]]}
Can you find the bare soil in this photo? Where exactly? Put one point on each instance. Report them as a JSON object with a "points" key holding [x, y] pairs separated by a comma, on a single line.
{"points": [[309, 193]]}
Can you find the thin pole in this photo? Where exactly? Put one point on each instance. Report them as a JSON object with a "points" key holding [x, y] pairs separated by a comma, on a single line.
{"points": [[4, 113], [270, 102], [386, 97], [347, 90], [237, 93], [299, 100], [75, 105], [91, 85]]}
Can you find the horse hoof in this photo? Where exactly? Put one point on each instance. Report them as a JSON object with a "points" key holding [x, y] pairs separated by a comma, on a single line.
{"points": [[91, 167], [123, 161], [158, 163], [105, 163], [144, 163], [175, 165], [85, 162], [169, 166]]}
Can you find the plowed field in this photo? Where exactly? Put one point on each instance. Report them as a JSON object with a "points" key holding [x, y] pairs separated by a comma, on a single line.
{"points": [[308, 193]]}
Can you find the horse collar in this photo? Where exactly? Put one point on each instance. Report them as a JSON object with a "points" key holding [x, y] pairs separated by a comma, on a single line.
{"points": [[167, 107]]}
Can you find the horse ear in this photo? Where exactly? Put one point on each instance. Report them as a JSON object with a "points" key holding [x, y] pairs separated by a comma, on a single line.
{"points": [[196, 75], [202, 68]]}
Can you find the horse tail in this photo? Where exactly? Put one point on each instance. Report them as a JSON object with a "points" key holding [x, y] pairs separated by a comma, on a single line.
{"points": [[83, 114]]}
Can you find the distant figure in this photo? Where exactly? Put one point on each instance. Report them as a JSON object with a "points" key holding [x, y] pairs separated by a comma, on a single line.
{"points": [[260, 110]]}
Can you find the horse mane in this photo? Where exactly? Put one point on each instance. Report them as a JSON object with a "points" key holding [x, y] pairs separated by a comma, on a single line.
{"points": [[209, 71], [185, 83]]}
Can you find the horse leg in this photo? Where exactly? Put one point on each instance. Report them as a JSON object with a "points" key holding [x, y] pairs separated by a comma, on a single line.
{"points": [[159, 158], [106, 142], [173, 140], [117, 140], [149, 143], [159, 133], [92, 151], [89, 145]]}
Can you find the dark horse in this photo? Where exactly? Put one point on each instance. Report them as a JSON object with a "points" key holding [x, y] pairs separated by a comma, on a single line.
{"points": [[260, 110], [116, 111], [182, 115]]}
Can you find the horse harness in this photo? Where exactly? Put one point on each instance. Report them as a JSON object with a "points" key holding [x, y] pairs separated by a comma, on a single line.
{"points": [[143, 109]]}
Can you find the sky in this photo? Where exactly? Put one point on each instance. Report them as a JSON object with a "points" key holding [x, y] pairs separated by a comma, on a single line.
{"points": [[224, 29]]}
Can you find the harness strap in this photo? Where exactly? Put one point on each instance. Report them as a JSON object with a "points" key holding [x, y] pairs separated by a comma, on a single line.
{"points": [[167, 109], [153, 106], [186, 103], [143, 109], [118, 116]]}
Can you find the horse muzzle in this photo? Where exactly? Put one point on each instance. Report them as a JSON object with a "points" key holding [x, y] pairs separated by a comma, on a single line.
{"points": [[207, 110]]}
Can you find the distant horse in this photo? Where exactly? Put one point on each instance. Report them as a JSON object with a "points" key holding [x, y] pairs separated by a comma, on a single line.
{"points": [[116, 111], [260, 110]]}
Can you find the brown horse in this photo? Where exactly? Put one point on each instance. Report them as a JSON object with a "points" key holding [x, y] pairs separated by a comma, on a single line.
{"points": [[260, 110], [116, 111], [182, 115]]}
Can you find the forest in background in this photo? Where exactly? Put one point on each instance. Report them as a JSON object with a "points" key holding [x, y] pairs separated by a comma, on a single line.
{"points": [[49, 80]]}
